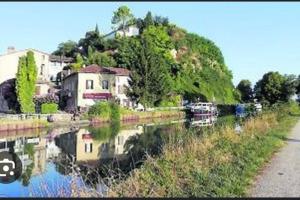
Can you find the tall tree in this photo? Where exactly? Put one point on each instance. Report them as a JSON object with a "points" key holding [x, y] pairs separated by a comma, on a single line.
{"points": [[147, 82], [122, 18], [92, 39], [245, 89], [25, 82], [274, 87], [148, 21]]}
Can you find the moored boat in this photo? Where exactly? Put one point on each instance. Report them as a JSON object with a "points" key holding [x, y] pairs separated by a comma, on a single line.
{"points": [[204, 108]]}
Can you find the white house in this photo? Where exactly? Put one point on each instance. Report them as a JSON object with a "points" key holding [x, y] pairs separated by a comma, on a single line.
{"points": [[94, 83]]}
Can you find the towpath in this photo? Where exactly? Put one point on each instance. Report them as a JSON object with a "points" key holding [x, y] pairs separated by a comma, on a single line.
{"points": [[281, 176]]}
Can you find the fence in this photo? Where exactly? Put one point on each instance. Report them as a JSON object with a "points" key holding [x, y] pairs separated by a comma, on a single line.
{"points": [[57, 117]]}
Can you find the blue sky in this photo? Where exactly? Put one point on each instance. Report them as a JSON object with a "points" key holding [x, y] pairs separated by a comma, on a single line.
{"points": [[254, 37]]}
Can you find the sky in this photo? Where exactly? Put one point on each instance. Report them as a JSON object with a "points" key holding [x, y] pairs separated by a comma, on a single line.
{"points": [[254, 37]]}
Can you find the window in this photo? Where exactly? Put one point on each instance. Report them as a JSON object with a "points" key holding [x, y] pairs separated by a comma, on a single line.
{"points": [[105, 85], [89, 84], [42, 69], [88, 147]]}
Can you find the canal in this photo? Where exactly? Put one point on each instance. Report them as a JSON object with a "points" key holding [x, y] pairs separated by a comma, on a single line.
{"points": [[58, 159]]}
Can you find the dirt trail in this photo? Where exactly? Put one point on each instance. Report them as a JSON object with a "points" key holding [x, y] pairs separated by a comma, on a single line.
{"points": [[281, 177]]}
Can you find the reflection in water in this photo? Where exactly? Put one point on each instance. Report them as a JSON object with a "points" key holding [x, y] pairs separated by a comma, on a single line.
{"points": [[90, 151], [203, 120]]}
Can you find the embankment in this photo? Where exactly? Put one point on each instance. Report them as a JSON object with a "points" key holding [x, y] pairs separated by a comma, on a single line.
{"points": [[138, 116], [216, 163]]}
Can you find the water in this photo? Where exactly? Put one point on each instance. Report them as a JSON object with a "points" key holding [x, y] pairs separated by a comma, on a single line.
{"points": [[51, 158]]}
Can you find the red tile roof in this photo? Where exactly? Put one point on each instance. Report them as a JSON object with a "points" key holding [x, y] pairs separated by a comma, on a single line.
{"points": [[120, 71], [105, 70]]}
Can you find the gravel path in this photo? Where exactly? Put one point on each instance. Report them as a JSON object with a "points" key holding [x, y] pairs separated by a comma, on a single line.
{"points": [[281, 177]]}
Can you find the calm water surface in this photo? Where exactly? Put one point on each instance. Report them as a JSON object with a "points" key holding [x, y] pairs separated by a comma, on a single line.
{"points": [[51, 156]]}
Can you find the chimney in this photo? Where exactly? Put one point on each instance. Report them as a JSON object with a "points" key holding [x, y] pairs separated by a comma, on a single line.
{"points": [[11, 49]]}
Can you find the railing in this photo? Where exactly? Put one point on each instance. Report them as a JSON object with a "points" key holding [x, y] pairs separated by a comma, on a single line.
{"points": [[31, 116]]}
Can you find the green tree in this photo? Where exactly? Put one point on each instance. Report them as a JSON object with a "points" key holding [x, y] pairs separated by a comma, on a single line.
{"points": [[289, 87], [127, 51], [148, 84], [78, 64], [103, 59], [274, 87], [68, 49], [25, 82], [92, 39], [298, 85], [245, 89], [122, 18], [148, 21]]}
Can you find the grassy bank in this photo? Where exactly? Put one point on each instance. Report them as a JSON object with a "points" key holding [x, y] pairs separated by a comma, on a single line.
{"points": [[219, 163]]}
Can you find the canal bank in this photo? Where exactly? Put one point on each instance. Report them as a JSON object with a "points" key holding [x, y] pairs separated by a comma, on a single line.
{"points": [[221, 163], [34, 121]]}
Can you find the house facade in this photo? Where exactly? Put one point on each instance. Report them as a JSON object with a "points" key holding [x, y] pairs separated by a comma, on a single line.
{"points": [[57, 63], [94, 83], [47, 68], [9, 63]]}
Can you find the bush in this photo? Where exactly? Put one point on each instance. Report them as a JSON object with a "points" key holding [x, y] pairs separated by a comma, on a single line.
{"points": [[101, 109], [172, 101], [114, 111], [106, 110], [49, 108]]}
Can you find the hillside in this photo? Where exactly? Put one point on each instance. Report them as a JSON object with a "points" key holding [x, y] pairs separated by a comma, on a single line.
{"points": [[182, 65]]}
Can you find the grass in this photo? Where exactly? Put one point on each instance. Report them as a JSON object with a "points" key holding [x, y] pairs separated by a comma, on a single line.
{"points": [[218, 163]]}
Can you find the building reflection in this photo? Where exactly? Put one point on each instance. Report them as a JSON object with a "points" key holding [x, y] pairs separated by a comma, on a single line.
{"points": [[91, 147]]}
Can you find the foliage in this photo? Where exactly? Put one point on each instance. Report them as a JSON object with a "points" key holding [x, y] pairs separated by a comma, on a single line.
{"points": [[25, 82], [92, 39], [100, 108], [122, 18], [195, 69], [148, 83], [219, 163], [67, 49], [101, 59], [49, 108], [114, 111], [274, 87], [105, 109], [245, 89], [127, 51], [171, 101], [78, 64]]}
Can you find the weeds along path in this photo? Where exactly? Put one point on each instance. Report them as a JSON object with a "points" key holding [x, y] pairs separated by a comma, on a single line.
{"points": [[281, 177]]}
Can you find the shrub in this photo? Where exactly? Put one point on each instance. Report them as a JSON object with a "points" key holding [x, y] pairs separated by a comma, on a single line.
{"points": [[49, 108], [172, 101], [101, 109], [106, 110], [114, 111]]}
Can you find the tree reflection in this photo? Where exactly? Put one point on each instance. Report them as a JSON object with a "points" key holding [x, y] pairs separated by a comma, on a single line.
{"points": [[25, 177]]}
